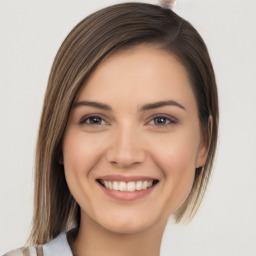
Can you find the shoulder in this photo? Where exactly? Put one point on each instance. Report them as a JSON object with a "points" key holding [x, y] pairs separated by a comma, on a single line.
{"points": [[16, 252], [24, 251], [58, 246]]}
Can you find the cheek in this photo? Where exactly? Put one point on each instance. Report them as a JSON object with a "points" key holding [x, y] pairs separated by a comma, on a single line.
{"points": [[177, 152], [176, 158], [80, 152], [178, 164]]}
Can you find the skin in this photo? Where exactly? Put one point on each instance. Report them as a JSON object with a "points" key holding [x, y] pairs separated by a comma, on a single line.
{"points": [[163, 142]]}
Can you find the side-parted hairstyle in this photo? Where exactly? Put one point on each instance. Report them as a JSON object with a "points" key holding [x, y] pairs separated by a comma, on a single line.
{"points": [[102, 33]]}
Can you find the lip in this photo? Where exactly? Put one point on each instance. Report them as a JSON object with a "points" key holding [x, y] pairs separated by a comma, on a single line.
{"points": [[125, 178], [125, 195]]}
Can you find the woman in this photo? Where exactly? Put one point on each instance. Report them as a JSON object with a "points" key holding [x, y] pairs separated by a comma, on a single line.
{"points": [[127, 136]]}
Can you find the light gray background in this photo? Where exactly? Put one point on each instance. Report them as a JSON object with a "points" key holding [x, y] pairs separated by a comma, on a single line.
{"points": [[31, 32]]}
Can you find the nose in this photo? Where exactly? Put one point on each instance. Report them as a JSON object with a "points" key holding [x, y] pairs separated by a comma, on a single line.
{"points": [[126, 148]]}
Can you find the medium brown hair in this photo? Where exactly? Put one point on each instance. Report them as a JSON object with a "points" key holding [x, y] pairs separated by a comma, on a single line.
{"points": [[100, 34]]}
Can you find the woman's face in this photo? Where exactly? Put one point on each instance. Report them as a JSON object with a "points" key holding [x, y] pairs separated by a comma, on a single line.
{"points": [[133, 141]]}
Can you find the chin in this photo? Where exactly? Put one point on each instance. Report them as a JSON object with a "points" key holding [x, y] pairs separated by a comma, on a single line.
{"points": [[128, 223], [126, 227]]}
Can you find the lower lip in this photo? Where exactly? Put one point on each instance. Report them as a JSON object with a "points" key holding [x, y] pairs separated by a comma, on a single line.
{"points": [[127, 196]]}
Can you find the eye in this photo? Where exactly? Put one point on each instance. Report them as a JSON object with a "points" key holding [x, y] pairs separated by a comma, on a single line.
{"points": [[162, 121], [93, 120]]}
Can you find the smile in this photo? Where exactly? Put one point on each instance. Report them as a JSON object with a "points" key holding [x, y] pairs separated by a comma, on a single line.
{"points": [[130, 186]]}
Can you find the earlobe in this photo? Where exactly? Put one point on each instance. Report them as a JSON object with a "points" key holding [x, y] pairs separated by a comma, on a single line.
{"points": [[205, 145]]}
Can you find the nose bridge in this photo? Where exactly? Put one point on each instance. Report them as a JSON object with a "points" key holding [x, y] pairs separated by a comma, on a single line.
{"points": [[126, 147]]}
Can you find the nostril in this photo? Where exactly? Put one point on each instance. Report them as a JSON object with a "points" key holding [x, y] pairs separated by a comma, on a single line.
{"points": [[125, 163]]}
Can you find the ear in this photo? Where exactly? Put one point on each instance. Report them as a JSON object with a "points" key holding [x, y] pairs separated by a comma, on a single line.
{"points": [[204, 145]]}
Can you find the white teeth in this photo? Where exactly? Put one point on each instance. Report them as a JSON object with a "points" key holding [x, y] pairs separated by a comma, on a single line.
{"points": [[105, 183], [122, 186], [115, 185], [144, 185], [110, 185], [139, 185], [129, 186]]}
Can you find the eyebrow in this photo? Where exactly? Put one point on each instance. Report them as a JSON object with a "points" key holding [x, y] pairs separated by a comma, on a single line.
{"points": [[93, 104], [162, 104], [143, 108]]}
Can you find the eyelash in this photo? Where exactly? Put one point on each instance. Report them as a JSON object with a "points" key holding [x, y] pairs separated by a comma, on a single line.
{"points": [[167, 120], [91, 117]]}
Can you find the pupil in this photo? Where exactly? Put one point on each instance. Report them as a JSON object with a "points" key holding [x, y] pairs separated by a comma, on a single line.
{"points": [[160, 120], [95, 120]]}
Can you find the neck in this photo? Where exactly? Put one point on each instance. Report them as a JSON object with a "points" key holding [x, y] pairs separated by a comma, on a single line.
{"points": [[93, 239]]}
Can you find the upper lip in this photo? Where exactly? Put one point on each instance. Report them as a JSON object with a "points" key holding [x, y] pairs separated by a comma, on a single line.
{"points": [[125, 178]]}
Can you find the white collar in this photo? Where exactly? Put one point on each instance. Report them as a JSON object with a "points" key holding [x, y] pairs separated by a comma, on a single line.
{"points": [[58, 246]]}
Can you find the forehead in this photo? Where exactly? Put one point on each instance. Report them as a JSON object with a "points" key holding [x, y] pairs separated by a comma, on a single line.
{"points": [[142, 74]]}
